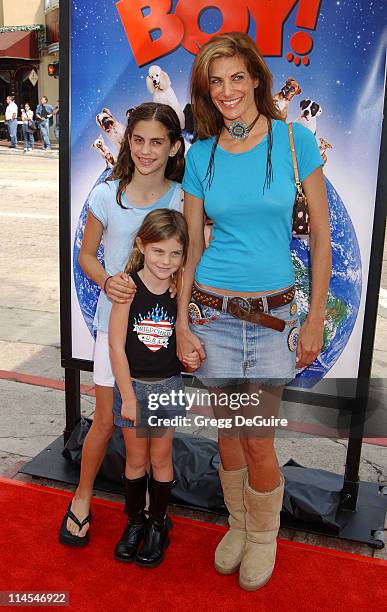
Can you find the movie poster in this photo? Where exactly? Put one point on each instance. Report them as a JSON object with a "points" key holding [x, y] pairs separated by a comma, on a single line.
{"points": [[327, 58]]}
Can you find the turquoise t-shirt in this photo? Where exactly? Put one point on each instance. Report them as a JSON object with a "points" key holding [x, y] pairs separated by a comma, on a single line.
{"points": [[120, 227], [250, 246]]}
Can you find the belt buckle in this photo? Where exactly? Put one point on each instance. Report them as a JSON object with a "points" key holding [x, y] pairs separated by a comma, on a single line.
{"points": [[241, 306]]}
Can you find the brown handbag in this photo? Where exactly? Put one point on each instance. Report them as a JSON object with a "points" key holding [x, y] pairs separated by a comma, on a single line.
{"points": [[300, 225]]}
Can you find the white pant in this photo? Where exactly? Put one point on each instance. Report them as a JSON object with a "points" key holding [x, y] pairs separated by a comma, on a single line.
{"points": [[103, 374]]}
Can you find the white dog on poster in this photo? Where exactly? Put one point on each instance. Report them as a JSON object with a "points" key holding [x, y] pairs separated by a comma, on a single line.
{"points": [[159, 85], [310, 111]]}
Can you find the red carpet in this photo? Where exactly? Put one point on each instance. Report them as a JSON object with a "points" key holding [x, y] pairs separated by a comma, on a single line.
{"points": [[306, 578]]}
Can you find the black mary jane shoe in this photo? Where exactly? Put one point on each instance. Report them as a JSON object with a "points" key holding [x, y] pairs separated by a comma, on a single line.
{"points": [[127, 545], [66, 537], [156, 541]]}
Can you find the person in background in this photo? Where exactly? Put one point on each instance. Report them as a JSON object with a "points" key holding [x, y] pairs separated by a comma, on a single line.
{"points": [[44, 111], [27, 115], [56, 113], [11, 120]]}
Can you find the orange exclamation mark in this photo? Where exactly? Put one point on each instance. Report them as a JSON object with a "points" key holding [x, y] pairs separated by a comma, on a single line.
{"points": [[302, 42]]}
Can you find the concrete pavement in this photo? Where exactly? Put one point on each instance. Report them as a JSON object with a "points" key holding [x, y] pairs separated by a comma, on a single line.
{"points": [[34, 415]]}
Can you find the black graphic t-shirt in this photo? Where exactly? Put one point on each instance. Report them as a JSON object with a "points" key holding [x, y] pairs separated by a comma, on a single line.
{"points": [[151, 340]]}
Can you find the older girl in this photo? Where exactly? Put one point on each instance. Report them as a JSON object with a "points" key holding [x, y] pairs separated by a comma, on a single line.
{"points": [[146, 177]]}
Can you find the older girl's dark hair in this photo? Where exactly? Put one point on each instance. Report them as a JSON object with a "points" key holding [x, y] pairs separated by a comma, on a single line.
{"points": [[208, 119], [124, 167]]}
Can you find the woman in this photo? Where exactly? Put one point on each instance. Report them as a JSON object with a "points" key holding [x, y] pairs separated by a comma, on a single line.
{"points": [[243, 317], [28, 134]]}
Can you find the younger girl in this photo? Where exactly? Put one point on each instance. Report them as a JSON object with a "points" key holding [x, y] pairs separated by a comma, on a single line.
{"points": [[150, 161], [143, 356]]}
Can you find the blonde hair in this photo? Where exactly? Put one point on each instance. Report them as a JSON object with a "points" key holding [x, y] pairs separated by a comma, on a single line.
{"points": [[159, 225]]}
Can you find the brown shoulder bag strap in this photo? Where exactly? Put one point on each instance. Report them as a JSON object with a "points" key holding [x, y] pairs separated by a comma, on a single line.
{"points": [[294, 158]]}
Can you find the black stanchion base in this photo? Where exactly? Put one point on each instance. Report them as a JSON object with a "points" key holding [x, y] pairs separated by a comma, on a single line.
{"points": [[51, 464], [365, 525]]}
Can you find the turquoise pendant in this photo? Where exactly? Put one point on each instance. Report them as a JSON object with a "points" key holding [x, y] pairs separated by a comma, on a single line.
{"points": [[238, 130]]}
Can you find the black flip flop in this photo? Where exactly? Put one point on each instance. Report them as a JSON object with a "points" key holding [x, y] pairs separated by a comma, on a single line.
{"points": [[66, 537]]}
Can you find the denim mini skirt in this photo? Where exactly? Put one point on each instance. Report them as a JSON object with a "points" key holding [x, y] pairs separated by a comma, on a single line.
{"points": [[239, 351], [163, 399]]}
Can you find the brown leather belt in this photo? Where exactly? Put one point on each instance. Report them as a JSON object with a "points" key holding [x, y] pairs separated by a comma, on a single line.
{"points": [[248, 309]]}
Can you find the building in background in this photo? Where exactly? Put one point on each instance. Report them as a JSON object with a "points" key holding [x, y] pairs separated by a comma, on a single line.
{"points": [[29, 43]]}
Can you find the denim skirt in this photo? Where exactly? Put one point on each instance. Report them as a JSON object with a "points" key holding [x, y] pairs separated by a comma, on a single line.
{"points": [[163, 399], [238, 351]]}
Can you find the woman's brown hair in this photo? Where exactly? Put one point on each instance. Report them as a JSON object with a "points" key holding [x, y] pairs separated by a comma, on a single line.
{"points": [[208, 119], [124, 167], [159, 224]]}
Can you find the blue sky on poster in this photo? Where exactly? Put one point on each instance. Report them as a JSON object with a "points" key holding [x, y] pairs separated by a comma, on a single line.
{"points": [[349, 48], [346, 76]]}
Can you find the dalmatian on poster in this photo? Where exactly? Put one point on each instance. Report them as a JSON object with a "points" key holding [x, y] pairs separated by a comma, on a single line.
{"points": [[131, 51]]}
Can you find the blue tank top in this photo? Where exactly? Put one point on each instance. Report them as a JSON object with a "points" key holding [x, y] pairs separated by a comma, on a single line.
{"points": [[250, 246]]}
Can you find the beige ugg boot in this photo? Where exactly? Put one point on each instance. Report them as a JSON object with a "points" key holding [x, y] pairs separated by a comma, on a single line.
{"points": [[229, 551], [262, 525]]}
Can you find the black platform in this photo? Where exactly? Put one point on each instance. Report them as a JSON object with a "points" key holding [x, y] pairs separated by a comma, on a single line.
{"points": [[365, 525]]}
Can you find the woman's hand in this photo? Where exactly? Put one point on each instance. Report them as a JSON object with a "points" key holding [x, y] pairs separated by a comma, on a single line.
{"points": [[129, 409], [188, 343], [310, 342], [120, 288], [191, 361]]}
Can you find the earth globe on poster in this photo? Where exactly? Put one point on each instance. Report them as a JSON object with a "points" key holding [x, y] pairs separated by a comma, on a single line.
{"points": [[344, 291]]}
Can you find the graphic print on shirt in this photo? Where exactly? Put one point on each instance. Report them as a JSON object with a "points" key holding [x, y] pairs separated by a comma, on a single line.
{"points": [[155, 328]]}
